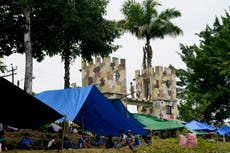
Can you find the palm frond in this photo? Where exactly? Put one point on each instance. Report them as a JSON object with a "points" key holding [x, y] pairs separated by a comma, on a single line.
{"points": [[169, 14]]}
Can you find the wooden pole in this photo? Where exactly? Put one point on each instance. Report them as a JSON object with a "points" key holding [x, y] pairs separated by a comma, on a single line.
{"points": [[63, 133], [82, 119]]}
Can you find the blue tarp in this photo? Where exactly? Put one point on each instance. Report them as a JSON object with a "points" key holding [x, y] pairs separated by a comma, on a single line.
{"points": [[224, 130], [124, 112], [195, 125], [89, 108]]}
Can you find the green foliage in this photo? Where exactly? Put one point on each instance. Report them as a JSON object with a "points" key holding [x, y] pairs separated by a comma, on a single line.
{"points": [[205, 85], [66, 28], [2, 67], [145, 22]]}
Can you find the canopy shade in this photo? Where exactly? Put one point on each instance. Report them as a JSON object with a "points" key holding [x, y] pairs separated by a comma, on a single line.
{"points": [[153, 123], [89, 108], [117, 103], [21, 110], [224, 130], [195, 125]]}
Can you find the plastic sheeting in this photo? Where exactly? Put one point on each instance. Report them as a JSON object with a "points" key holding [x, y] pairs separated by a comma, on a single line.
{"points": [[195, 125], [22, 110], [117, 103], [224, 130], [153, 123], [89, 108]]}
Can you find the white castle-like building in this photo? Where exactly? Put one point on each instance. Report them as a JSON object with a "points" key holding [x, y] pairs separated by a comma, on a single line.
{"points": [[153, 90]]}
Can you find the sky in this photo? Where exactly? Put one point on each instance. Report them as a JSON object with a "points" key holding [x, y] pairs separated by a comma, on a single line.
{"points": [[196, 14]]}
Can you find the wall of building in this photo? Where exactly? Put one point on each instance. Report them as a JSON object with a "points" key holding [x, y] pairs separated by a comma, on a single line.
{"points": [[158, 86], [155, 86], [108, 74], [162, 84]]}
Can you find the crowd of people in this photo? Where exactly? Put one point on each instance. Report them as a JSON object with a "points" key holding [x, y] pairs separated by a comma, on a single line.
{"points": [[84, 141]]}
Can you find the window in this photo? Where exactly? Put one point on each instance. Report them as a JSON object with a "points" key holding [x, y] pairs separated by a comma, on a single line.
{"points": [[116, 76], [168, 109]]}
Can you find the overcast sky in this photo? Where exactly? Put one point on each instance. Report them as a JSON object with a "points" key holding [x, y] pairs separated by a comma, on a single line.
{"points": [[196, 14]]}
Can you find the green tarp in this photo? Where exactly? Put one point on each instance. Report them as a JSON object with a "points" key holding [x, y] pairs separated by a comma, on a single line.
{"points": [[153, 123], [196, 132]]}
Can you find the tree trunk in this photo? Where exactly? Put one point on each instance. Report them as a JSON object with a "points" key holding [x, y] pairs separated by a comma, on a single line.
{"points": [[67, 68], [28, 52], [144, 65], [149, 54]]}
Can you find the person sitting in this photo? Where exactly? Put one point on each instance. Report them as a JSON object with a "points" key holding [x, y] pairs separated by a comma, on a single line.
{"points": [[26, 142], [209, 135], [130, 140], [98, 143], [137, 141], [121, 141], [83, 142], [109, 142], [147, 139], [54, 143], [67, 144], [3, 146]]}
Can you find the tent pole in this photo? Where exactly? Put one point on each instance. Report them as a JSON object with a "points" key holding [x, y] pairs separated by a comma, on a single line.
{"points": [[42, 140], [126, 104], [82, 119], [63, 133]]}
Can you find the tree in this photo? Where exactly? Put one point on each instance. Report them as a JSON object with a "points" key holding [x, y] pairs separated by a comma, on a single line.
{"points": [[28, 46], [83, 31], [206, 82], [67, 28], [16, 34], [144, 21]]}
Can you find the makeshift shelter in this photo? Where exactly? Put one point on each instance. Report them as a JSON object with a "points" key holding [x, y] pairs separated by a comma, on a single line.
{"points": [[199, 126], [224, 130], [153, 123], [89, 108], [21, 110], [117, 103]]}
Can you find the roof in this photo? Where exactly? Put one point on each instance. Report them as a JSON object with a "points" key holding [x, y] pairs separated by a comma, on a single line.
{"points": [[154, 123], [195, 125], [21, 110], [90, 109], [224, 130], [117, 103]]}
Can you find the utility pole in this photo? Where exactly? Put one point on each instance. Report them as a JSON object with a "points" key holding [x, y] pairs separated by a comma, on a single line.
{"points": [[12, 73]]}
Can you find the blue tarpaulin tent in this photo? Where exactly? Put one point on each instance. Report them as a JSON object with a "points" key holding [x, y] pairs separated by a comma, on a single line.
{"points": [[224, 130], [124, 112], [195, 125], [89, 108]]}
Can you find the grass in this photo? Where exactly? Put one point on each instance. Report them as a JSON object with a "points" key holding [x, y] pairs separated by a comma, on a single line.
{"points": [[158, 146]]}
